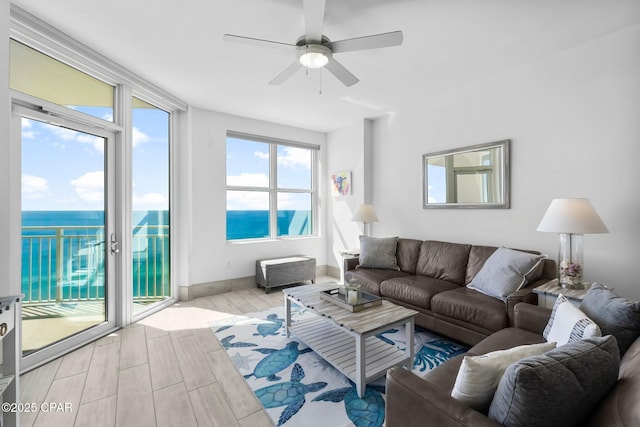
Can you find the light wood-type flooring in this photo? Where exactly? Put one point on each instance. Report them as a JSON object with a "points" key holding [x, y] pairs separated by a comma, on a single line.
{"points": [[165, 370]]}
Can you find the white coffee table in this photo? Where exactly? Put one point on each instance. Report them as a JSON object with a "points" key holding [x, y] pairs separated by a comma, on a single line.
{"points": [[347, 340]]}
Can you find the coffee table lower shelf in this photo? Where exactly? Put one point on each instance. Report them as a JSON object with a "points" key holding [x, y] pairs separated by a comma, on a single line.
{"points": [[339, 348]]}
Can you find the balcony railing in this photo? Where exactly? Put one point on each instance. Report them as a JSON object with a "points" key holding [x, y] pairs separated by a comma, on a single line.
{"points": [[66, 264]]}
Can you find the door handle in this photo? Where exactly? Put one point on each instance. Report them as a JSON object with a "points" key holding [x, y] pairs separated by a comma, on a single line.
{"points": [[114, 245]]}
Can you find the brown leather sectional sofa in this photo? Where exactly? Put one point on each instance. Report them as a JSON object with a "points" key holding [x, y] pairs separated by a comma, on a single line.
{"points": [[412, 401], [432, 280]]}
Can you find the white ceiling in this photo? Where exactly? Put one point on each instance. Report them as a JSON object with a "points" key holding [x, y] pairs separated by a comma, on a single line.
{"points": [[177, 44]]}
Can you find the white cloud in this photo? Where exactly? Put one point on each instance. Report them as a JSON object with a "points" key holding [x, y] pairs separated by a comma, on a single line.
{"points": [[96, 141], [152, 201], [139, 137], [27, 134], [69, 135], [90, 186], [248, 180], [34, 187], [261, 155], [247, 200], [295, 157]]}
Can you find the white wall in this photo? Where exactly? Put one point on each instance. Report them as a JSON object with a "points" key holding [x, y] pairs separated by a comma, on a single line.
{"points": [[346, 149], [573, 119], [211, 257]]}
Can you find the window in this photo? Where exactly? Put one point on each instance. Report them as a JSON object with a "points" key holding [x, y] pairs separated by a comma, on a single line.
{"points": [[270, 188]]}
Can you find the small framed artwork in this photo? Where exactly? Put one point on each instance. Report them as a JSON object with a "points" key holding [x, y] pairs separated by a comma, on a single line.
{"points": [[341, 183]]}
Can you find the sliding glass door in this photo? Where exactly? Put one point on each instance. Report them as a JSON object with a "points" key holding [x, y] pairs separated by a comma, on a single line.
{"points": [[69, 243]]}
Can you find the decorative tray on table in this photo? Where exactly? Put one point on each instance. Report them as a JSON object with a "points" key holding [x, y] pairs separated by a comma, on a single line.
{"points": [[338, 297]]}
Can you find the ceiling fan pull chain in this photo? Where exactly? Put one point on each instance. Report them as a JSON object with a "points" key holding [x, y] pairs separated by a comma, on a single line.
{"points": [[320, 74], [306, 69]]}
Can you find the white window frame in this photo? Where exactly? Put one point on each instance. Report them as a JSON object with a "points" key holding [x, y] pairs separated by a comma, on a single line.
{"points": [[273, 188]]}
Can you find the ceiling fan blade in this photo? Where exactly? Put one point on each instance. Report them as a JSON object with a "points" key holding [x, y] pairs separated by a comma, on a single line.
{"points": [[344, 75], [256, 42], [288, 72], [375, 41], [313, 20]]}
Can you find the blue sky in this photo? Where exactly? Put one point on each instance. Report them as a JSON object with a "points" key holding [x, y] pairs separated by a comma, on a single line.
{"points": [[64, 169], [248, 166]]}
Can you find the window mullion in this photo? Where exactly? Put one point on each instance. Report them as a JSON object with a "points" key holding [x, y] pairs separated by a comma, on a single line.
{"points": [[273, 190]]}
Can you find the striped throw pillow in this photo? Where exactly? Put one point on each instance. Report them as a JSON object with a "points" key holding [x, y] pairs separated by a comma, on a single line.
{"points": [[568, 324]]}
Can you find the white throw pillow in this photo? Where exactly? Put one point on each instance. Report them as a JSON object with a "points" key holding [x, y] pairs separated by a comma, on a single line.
{"points": [[568, 323], [478, 376]]}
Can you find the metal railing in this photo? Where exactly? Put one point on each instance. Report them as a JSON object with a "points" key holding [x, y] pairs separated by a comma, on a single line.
{"points": [[66, 263]]}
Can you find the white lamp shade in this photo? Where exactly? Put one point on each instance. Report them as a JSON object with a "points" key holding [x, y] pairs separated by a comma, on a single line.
{"points": [[574, 216], [366, 214]]}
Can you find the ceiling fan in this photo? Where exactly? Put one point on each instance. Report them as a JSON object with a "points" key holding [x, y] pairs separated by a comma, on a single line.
{"points": [[315, 50]]}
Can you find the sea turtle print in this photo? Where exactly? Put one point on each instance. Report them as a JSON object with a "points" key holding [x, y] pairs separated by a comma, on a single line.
{"points": [[289, 394], [367, 411], [227, 344], [436, 352], [271, 327], [276, 361]]}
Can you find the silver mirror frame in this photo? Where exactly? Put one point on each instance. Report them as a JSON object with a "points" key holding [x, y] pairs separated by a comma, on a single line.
{"points": [[506, 174]]}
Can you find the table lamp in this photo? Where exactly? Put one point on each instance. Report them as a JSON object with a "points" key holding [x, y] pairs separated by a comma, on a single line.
{"points": [[571, 218], [366, 215]]}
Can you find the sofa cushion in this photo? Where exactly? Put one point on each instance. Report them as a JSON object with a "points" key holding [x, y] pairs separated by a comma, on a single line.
{"points": [[407, 253], [370, 278], [378, 252], [443, 260], [505, 272], [471, 306], [558, 388], [478, 376], [614, 315], [567, 323], [415, 290]]}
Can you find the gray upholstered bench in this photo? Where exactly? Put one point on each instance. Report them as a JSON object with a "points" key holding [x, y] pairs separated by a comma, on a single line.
{"points": [[285, 271]]}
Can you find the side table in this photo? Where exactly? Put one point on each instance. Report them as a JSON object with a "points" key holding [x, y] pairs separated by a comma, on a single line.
{"points": [[346, 255], [548, 293]]}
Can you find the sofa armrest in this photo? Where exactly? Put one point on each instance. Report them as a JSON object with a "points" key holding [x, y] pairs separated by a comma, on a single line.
{"points": [[531, 317], [525, 295], [414, 402]]}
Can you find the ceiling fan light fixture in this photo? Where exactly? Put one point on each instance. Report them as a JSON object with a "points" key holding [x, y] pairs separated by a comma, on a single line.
{"points": [[314, 56]]}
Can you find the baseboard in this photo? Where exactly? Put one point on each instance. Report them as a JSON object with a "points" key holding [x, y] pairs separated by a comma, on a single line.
{"points": [[197, 290]]}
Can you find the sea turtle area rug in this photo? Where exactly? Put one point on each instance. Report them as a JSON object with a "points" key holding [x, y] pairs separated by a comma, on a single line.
{"points": [[297, 387]]}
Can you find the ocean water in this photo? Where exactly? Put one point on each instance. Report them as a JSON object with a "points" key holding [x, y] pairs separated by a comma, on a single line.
{"points": [[255, 224]]}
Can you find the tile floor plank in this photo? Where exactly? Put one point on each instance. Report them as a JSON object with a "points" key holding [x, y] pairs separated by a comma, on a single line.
{"points": [[240, 398], [133, 350], [76, 362], [211, 408], [99, 413], [193, 364], [102, 377], [163, 363], [135, 398], [173, 407], [66, 391]]}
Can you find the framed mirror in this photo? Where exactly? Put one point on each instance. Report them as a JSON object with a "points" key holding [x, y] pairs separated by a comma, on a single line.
{"points": [[469, 177]]}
